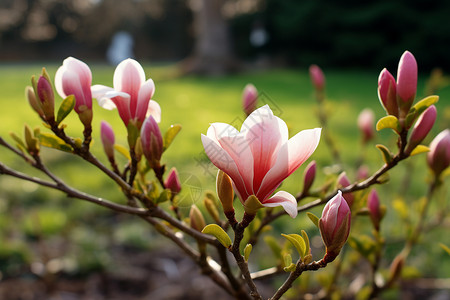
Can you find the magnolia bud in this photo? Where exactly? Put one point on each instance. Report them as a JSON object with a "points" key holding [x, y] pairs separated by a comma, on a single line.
{"points": [[387, 92], [108, 139], [317, 77], [309, 175], [152, 142], [46, 96], [422, 128], [334, 226], [439, 156], [196, 218], [373, 204], [343, 181], [362, 173], [225, 191], [31, 96], [406, 82], [173, 182], [249, 98], [366, 121]]}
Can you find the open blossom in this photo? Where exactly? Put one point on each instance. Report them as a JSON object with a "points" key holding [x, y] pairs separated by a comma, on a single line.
{"points": [[74, 78], [260, 156], [439, 156], [131, 94]]}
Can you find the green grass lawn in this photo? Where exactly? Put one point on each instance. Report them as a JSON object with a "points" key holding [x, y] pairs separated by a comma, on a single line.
{"points": [[195, 102]]}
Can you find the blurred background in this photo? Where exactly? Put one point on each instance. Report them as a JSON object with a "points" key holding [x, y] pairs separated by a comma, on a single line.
{"points": [[201, 54]]}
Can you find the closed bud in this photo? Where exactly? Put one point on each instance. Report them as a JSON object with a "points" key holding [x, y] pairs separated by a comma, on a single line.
{"points": [[309, 176], [366, 124], [108, 139], [334, 226], [249, 98], [373, 205], [196, 218], [343, 181], [225, 191], [31, 96], [387, 92], [317, 77], [422, 128], [406, 82], [362, 173], [46, 96], [152, 142], [439, 156], [211, 207], [173, 182]]}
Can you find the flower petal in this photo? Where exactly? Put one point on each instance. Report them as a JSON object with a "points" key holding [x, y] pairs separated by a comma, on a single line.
{"points": [[154, 110], [128, 77], [99, 91], [284, 199], [122, 102], [145, 94], [222, 160], [292, 154]]}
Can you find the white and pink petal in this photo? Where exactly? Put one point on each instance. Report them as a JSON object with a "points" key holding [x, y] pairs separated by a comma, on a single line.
{"points": [[284, 199]]}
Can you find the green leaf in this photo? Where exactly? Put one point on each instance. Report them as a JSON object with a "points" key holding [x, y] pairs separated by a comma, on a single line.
{"points": [[122, 150], [252, 204], [218, 233], [313, 218], [419, 149], [164, 196], [290, 268], [306, 239], [52, 141], [274, 246], [65, 108], [287, 260], [18, 140], [387, 155], [247, 251], [388, 122], [298, 243], [423, 104], [170, 135], [447, 249]]}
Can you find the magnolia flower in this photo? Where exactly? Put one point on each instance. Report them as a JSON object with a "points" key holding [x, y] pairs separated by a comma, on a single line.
{"points": [[343, 181], [317, 77], [422, 127], [439, 156], [131, 94], [108, 139], [260, 156], [373, 205], [407, 78], [366, 124], [74, 78], [152, 141], [309, 176], [387, 92], [249, 98], [173, 182]]}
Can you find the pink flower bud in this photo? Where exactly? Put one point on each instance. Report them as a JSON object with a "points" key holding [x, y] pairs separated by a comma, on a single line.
{"points": [[108, 139], [363, 173], [152, 142], [373, 204], [309, 175], [387, 92], [173, 182], [422, 128], [317, 77], [31, 96], [366, 120], [47, 97], [249, 98], [343, 181], [439, 156], [334, 225], [406, 81]]}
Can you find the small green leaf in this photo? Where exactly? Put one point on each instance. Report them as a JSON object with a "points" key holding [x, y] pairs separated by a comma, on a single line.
{"points": [[298, 243], [388, 122], [164, 196], [447, 249], [122, 150], [218, 233], [66, 107], [290, 268], [170, 135], [18, 140], [247, 251], [306, 239], [313, 218], [287, 260], [52, 141], [419, 149], [387, 155], [252, 204], [423, 104]]}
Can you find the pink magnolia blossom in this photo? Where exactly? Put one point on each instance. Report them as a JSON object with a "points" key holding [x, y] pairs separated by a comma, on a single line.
{"points": [[343, 181], [249, 98], [334, 225], [373, 204], [317, 77], [387, 92], [173, 182], [366, 123], [260, 156], [108, 139], [152, 142], [309, 176], [422, 128], [407, 78], [74, 78], [131, 94], [439, 156]]}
